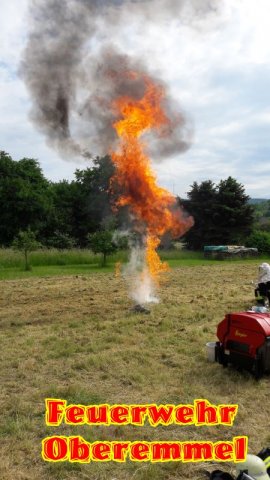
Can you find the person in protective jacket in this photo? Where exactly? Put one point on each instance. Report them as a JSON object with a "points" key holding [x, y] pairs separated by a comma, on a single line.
{"points": [[263, 282]]}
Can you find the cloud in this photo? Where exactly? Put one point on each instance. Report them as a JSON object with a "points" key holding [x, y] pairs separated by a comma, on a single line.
{"points": [[218, 70]]}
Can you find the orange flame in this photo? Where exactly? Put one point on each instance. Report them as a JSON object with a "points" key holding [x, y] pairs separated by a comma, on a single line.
{"points": [[151, 205], [155, 265], [117, 269]]}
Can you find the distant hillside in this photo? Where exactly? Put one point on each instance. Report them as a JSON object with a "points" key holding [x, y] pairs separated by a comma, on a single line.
{"points": [[255, 201], [262, 213]]}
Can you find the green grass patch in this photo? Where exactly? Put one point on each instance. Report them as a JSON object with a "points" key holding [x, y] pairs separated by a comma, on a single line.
{"points": [[53, 257], [75, 262]]}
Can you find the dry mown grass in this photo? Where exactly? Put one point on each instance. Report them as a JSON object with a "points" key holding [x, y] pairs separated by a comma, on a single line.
{"points": [[75, 338]]}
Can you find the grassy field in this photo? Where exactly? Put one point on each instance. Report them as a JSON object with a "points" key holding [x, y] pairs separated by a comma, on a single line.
{"points": [[74, 337], [69, 262], [10, 258]]}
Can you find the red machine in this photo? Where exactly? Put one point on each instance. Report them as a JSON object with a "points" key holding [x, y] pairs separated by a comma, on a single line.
{"points": [[244, 341]]}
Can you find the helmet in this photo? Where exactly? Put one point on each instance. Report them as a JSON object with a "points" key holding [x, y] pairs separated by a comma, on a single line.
{"points": [[255, 467]]}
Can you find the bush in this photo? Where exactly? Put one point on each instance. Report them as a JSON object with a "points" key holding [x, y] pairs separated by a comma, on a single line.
{"points": [[259, 240], [102, 242], [26, 242]]}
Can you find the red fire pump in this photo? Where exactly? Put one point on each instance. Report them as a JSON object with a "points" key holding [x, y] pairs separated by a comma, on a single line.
{"points": [[244, 341]]}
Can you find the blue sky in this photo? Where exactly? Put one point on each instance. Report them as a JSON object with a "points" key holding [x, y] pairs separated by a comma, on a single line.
{"points": [[218, 68]]}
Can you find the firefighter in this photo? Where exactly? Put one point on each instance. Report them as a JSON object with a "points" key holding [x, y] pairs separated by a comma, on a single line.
{"points": [[263, 283]]}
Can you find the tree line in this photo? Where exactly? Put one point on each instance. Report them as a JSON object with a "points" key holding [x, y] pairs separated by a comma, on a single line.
{"points": [[62, 214], [65, 214]]}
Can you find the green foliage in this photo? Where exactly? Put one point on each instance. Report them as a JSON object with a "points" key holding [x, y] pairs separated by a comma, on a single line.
{"points": [[222, 213], [24, 197], [262, 215], [102, 242], [93, 200], [61, 213], [201, 203], [262, 208], [62, 241], [26, 242], [260, 240], [62, 219], [234, 216]]}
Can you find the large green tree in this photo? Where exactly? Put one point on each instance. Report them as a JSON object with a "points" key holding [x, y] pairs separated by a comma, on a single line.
{"points": [[61, 229], [234, 215], [201, 204], [222, 213], [24, 197], [93, 198]]}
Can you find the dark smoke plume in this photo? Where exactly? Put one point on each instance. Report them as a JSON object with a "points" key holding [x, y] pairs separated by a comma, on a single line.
{"points": [[72, 81]]}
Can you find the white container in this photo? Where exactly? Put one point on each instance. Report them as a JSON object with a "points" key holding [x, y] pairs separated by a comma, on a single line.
{"points": [[259, 309], [210, 351]]}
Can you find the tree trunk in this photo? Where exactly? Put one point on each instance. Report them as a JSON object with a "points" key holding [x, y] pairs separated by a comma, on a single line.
{"points": [[26, 265]]}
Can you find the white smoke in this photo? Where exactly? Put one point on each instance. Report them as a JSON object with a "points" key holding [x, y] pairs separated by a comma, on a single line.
{"points": [[141, 285]]}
